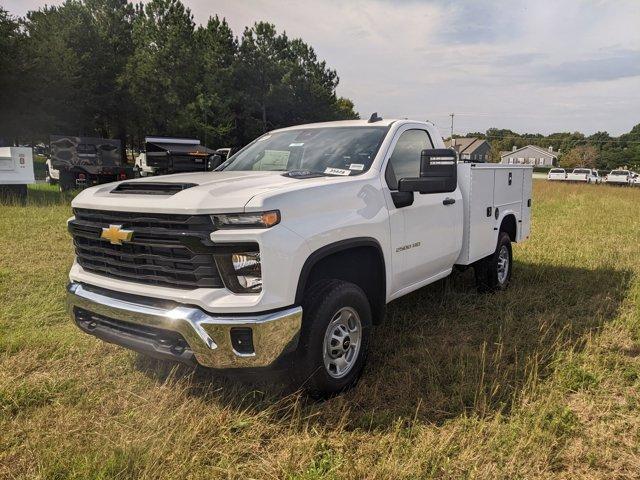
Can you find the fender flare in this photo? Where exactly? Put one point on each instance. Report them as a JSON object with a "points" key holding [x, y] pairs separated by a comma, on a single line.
{"points": [[504, 215], [330, 249]]}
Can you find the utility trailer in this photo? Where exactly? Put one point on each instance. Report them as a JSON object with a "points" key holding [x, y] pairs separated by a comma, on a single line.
{"points": [[164, 155], [16, 172], [79, 162]]}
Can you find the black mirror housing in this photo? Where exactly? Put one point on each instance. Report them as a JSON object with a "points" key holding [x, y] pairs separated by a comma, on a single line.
{"points": [[438, 173], [214, 162]]}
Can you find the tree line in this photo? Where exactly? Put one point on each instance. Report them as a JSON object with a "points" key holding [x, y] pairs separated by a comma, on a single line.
{"points": [[600, 150], [113, 69]]}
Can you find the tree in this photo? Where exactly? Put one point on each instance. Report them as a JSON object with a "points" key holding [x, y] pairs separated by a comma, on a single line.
{"points": [[161, 74], [213, 113], [11, 39], [112, 69], [580, 156]]}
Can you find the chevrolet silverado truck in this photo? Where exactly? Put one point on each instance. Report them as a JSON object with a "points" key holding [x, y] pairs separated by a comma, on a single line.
{"points": [[287, 254]]}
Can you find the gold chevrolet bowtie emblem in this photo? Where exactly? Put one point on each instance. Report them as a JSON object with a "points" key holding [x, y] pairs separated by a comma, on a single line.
{"points": [[116, 235]]}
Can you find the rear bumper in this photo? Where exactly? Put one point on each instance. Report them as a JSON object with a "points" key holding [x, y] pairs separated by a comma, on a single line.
{"points": [[175, 331]]}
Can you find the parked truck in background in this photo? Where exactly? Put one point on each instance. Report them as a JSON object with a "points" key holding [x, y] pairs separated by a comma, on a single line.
{"points": [[619, 177], [16, 172], [585, 175], [285, 257], [79, 162], [212, 159], [557, 174], [164, 155]]}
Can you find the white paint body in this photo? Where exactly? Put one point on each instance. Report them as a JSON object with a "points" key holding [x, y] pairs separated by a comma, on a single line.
{"points": [[317, 212], [16, 166], [619, 177], [53, 173], [584, 175], [143, 168], [557, 174]]}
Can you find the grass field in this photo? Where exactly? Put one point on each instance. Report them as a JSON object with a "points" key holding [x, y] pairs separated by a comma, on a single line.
{"points": [[542, 381]]}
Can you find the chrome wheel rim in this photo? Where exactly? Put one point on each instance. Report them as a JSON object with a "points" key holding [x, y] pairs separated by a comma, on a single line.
{"points": [[503, 264], [342, 341]]}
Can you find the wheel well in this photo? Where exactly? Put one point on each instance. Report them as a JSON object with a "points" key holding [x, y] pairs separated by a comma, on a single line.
{"points": [[361, 264], [509, 226]]}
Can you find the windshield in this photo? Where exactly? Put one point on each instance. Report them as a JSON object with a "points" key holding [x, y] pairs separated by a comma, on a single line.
{"points": [[556, 170], [331, 151], [581, 170]]}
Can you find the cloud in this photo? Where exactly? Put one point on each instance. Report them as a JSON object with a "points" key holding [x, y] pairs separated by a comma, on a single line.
{"points": [[530, 66], [612, 67]]}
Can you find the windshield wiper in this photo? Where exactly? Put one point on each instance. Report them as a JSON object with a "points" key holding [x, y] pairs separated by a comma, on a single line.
{"points": [[301, 174]]}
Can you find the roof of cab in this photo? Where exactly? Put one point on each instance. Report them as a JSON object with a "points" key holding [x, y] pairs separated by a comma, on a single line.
{"points": [[342, 123]]}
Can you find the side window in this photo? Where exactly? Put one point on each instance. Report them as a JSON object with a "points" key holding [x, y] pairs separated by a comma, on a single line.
{"points": [[405, 159]]}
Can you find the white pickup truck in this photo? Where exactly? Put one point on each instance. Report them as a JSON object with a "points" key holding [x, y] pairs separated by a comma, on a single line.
{"points": [[619, 177], [557, 174], [585, 175], [287, 254]]}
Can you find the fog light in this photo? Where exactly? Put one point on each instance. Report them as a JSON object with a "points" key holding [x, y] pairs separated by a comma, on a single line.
{"points": [[242, 340]]}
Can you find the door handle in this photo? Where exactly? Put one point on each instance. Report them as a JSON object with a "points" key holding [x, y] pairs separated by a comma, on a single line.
{"points": [[449, 201]]}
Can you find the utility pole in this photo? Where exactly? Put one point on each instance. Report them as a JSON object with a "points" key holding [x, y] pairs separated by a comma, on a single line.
{"points": [[452, 141]]}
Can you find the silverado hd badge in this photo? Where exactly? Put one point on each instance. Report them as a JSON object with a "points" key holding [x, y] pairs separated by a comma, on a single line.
{"points": [[116, 235]]}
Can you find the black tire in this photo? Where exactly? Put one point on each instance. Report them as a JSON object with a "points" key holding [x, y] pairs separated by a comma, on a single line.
{"points": [[487, 271], [322, 302], [67, 181]]}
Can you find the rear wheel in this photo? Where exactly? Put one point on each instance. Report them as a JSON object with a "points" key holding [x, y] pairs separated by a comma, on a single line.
{"points": [[334, 340], [493, 273], [66, 182]]}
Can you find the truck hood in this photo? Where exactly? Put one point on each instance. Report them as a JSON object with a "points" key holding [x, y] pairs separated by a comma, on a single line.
{"points": [[213, 192]]}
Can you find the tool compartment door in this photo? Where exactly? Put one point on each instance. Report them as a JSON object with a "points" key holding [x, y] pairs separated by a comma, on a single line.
{"points": [[524, 226], [508, 187], [481, 214]]}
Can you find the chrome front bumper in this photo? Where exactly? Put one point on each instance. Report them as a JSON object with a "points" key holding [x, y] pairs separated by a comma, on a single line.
{"points": [[140, 323]]}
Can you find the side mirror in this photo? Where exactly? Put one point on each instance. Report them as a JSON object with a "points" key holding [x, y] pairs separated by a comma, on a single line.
{"points": [[214, 162], [438, 173]]}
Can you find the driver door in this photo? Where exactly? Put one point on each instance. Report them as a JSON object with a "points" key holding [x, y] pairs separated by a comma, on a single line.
{"points": [[426, 235]]}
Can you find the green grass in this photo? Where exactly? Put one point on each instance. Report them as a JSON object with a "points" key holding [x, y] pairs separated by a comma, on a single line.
{"points": [[541, 381]]}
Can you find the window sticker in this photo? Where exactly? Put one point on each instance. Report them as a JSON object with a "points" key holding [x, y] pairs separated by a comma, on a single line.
{"points": [[296, 144], [273, 160], [262, 139], [356, 166], [337, 171]]}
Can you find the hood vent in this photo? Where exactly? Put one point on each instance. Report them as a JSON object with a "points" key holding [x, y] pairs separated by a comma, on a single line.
{"points": [[152, 188]]}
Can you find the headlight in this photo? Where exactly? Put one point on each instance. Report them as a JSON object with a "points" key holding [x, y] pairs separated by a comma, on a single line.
{"points": [[246, 220], [241, 272]]}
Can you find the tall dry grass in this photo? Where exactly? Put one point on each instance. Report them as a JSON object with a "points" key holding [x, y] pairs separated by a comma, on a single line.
{"points": [[542, 381]]}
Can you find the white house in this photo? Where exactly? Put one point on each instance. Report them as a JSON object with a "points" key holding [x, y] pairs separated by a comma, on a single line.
{"points": [[530, 155]]}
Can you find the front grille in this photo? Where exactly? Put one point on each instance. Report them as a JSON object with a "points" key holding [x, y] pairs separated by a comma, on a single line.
{"points": [[157, 254]]}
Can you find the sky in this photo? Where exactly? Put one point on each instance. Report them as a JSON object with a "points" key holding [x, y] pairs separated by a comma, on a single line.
{"points": [[537, 66]]}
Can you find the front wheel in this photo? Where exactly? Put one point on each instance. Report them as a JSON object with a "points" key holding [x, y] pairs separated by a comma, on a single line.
{"points": [[493, 273], [334, 340]]}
